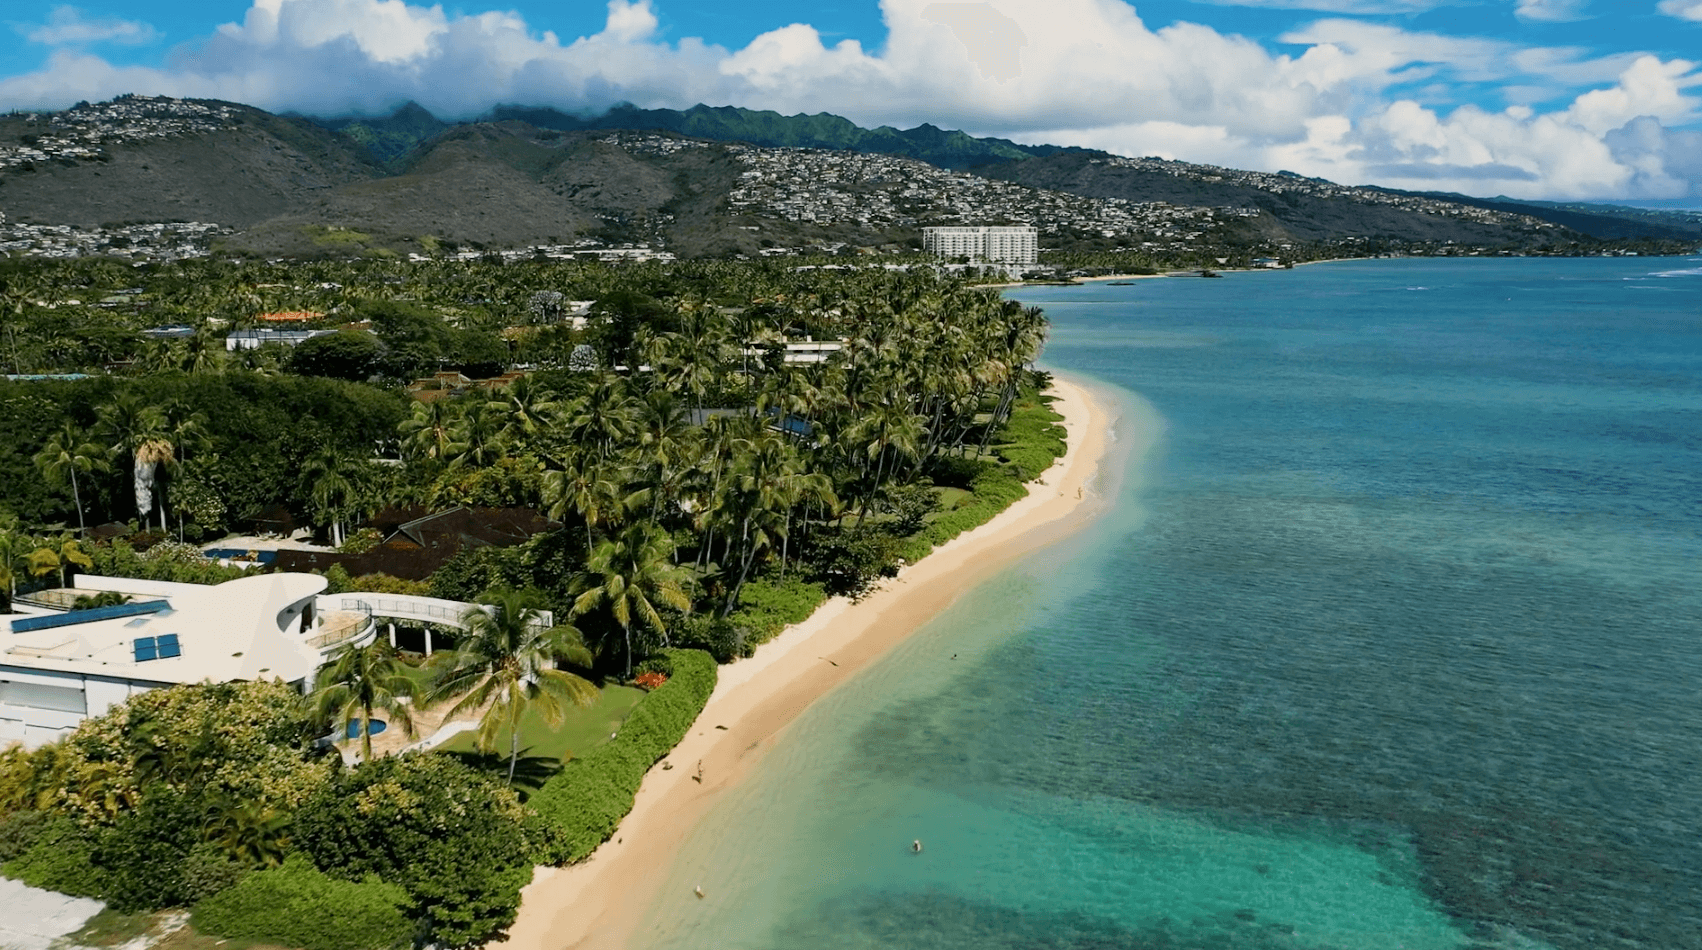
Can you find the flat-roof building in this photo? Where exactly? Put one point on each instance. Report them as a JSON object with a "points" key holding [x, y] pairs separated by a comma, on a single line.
{"points": [[1003, 245], [59, 667]]}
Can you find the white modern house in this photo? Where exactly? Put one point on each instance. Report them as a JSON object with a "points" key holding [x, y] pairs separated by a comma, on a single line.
{"points": [[58, 667], [1010, 245]]}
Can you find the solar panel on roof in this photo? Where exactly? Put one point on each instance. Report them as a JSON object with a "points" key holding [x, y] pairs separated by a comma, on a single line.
{"points": [[169, 647], [146, 649], [48, 621]]}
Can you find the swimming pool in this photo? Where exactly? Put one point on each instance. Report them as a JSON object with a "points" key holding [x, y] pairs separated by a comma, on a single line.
{"points": [[264, 557], [352, 730]]}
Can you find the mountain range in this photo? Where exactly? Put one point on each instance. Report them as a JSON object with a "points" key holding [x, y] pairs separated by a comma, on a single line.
{"points": [[700, 181]]}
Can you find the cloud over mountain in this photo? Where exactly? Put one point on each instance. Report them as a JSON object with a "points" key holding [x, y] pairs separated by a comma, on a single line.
{"points": [[1359, 101]]}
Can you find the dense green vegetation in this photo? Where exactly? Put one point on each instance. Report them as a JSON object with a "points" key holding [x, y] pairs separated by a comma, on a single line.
{"points": [[590, 795], [706, 500], [297, 905]]}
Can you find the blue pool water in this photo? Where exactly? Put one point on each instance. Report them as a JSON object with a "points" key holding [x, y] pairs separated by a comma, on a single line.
{"points": [[352, 730], [264, 557], [1391, 640]]}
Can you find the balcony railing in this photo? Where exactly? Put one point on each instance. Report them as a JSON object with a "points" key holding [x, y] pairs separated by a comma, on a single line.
{"points": [[337, 627]]}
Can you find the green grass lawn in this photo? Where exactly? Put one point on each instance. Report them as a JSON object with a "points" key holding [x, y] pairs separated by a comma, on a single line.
{"points": [[581, 731]]}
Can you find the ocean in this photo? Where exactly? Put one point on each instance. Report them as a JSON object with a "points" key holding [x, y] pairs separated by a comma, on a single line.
{"points": [[1390, 639]]}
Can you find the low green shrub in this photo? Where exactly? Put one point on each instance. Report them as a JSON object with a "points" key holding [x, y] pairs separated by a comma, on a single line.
{"points": [[721, 638], [586, 800], [20, 831], [296, 905], [143, 852], [957, 471], [209, 869], [452, 837], [770, 605], [61, 859]]}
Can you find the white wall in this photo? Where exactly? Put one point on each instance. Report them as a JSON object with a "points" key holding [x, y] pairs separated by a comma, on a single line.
{"points": [[34, 726]]}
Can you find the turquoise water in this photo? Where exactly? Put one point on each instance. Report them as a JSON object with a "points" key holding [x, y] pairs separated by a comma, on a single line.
{"points": [[1391, 640]]}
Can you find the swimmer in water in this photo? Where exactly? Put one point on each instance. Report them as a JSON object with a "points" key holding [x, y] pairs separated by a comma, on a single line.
{"points": [[916, 846]]}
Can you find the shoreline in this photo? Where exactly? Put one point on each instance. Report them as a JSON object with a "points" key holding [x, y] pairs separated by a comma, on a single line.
{"points": [[601, 902]]}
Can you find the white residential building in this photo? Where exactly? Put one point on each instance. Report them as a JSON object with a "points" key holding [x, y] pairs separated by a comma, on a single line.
{"points": [[57, 667], [254, 339], [1015, 245]]}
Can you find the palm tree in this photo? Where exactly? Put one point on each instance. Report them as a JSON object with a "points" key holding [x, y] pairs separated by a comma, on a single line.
{"points": [[506, 664], [628, 574], [253, 833], [135, 429], [579, 483], [359, 680], [14, 557], [204, 352], [427, 432], [47, 558], [333, 478], [66, 453]]}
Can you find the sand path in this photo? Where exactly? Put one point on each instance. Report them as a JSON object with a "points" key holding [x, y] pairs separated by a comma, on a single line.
{"points": [[599, 903]]}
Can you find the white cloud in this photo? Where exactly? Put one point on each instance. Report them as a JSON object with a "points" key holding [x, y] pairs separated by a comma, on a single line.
{"points": [[1361, 102], [1550, 11], [1357, 7], [66, 26], [1683, 9]]}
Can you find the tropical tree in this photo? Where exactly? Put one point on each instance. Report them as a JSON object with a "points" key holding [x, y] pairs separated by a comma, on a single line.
{"points": [[427, 433], [356, 682], [15, 551], [333, 480], [253, 833], [137, 430], [58, 555], [66, 453], [505, 665], [629, 575]]}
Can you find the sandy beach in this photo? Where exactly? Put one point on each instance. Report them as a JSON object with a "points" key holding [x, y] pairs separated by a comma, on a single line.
{"points": [[599, 903]]}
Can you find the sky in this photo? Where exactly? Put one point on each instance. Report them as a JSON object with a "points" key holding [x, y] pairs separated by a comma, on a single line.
{"points": [[1551, 99]]}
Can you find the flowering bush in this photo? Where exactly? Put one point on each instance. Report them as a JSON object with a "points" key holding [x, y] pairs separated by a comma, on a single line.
{"points": [[176, 552], [649, 681]]}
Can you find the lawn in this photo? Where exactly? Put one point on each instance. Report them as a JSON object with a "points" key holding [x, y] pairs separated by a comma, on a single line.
{"points": [[581, 731]]}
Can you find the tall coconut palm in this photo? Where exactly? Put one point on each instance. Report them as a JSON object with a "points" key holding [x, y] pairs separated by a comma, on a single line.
{"points": [[137, 430], [66, 453], [505, 664], [358, 681], [579, 483], [629, 574], [428, 430], [333, 479]]}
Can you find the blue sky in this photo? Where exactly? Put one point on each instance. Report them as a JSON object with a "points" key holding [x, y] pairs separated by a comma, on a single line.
{"points": [[1583, 99]]}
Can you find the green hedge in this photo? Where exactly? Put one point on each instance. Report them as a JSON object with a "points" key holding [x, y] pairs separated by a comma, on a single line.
{"points": [[1030, 442], [299, 906], [586, 800], [768, 606], [62, 858]]}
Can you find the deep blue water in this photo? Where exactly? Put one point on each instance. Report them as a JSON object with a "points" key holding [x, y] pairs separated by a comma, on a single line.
{"points": [[1391, 640]]}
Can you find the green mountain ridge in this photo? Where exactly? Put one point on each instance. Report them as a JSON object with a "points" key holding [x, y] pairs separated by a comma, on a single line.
{"points": [[389, 139]]}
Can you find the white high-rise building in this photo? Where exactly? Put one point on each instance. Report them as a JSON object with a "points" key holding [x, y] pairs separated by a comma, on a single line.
{"points": [[1019, 245]]}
